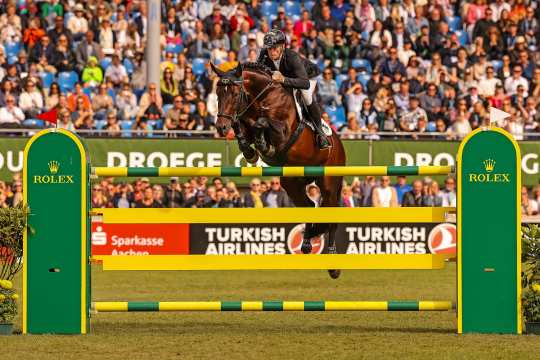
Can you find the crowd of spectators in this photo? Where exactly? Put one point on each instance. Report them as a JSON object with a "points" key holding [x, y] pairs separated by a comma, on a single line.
{"points": [[410, 65]]}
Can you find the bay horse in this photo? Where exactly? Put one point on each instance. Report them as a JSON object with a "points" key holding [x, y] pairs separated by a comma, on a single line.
{"points": [[263, 113]]}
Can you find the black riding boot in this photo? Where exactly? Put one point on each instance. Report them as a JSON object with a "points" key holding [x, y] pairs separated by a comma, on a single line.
{"points": [[316, 118]]}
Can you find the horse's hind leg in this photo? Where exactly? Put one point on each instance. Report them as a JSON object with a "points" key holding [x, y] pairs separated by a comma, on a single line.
{"points": [[330, 192]]}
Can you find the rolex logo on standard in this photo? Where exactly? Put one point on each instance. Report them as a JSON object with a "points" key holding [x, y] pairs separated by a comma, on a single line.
{"points": [[54, 166], [489, 164], [489, 176], [53, 178]]}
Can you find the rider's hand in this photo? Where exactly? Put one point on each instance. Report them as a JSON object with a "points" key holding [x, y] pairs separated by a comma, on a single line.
{"points": [[277, 76]]}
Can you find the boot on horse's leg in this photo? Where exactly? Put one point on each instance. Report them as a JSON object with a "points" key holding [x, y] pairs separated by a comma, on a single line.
{"points": [[316, 118], [260, 140], [249, 153]]}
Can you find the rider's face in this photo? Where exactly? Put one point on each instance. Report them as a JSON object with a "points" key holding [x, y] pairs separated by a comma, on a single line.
{"points": [[275, 52]]}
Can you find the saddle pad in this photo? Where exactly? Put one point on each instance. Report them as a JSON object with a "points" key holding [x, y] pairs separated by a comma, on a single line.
{"points": [[326, 128]]}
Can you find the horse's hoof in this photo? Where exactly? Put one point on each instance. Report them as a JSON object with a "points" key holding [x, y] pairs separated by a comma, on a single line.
{"points": [[334, 274], [306, 247]]}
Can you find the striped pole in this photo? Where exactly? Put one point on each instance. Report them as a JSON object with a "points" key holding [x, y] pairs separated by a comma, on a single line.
{"points": [[151, 306], [287, 171]]}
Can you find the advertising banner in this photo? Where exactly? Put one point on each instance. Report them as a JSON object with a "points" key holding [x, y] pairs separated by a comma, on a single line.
{"points": [[266, 239], [215, 152], [140, 239]]}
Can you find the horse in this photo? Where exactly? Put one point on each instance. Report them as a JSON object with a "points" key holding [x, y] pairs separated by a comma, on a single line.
{"points": [[263, 113]]}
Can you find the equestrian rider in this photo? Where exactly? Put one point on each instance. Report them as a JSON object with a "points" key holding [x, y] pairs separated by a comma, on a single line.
{"points": [[295, 72]]}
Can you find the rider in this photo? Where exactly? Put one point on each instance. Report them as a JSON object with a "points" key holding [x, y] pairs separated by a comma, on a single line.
{"points": [[293, 71]]}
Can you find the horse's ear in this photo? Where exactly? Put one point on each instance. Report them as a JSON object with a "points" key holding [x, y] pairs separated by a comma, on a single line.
{"points": [[238, 71], [216, 70]]}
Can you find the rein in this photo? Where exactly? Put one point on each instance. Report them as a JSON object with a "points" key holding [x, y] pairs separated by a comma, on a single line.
{"points": [[239, 113]]}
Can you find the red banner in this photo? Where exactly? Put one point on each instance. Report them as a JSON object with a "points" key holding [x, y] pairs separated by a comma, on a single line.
{"points": [[140, 239]]}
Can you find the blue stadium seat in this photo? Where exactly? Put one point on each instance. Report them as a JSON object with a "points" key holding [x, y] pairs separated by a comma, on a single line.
{"points": [[105, 62], [126, 125], [463, 37], [12, 59], [308, 5], [88, 92], [129, 66], [198, 66], [336, 114], [341, 78], [47, 79], [497, 65], [166, 108], [174, 48], [32, 123], [100, 124], [363, 78], [360, 64], [292, 8], [269, 8], [67, 80], [454, 23], [12, 49]]}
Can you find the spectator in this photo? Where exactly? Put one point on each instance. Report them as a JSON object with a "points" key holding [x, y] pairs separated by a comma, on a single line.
{"points": [[401, 188], [338, 53], [511, 83], [203, 120], [385, 195], [78, 25], [148, 200], [348, 199], [529, 206], [33, 33], [392, 64], [86, 49], [414, 197], [328, 90], [368, 114], [448, 194], [58, 31], [43, 48], [102, 102], [433, 195], [116, 72], [10, 115], [52, 98], [487, 85], [168, 86], [276, 196], [72, 100], [460, 128], [82, 116], [92, 75], [409, 120], [63, 57], [126, 103], [112, 127], [31, 100], [352, 130], [253, 198]]}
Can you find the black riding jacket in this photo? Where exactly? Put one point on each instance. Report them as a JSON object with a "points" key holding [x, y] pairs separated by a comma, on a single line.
{"points": [[296, 70]]}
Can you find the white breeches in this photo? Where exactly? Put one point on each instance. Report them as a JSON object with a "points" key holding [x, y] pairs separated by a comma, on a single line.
{"points": [[307, 94]]}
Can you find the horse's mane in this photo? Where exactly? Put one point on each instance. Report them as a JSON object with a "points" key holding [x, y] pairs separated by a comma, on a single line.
{"points": [[254, 66]]}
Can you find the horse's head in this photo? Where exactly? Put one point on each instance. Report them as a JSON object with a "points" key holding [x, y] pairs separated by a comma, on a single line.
{"points": [[228, 93]]}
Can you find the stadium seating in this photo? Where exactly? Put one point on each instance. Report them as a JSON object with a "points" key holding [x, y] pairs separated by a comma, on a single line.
{"points": [[67, 80]]}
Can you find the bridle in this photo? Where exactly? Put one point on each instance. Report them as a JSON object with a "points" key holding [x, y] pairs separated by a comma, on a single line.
{"points": [[243, 96]]}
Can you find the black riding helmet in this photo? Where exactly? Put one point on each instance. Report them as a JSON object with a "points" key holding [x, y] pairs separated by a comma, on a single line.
{"points": [[274, 38]]}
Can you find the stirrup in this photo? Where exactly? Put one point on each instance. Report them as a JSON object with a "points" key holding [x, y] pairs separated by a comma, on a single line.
{"points": [[322, 142]]}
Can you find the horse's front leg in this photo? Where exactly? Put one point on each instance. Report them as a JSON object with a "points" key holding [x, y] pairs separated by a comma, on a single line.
{"points": [[261, 128], [249, 153]]}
